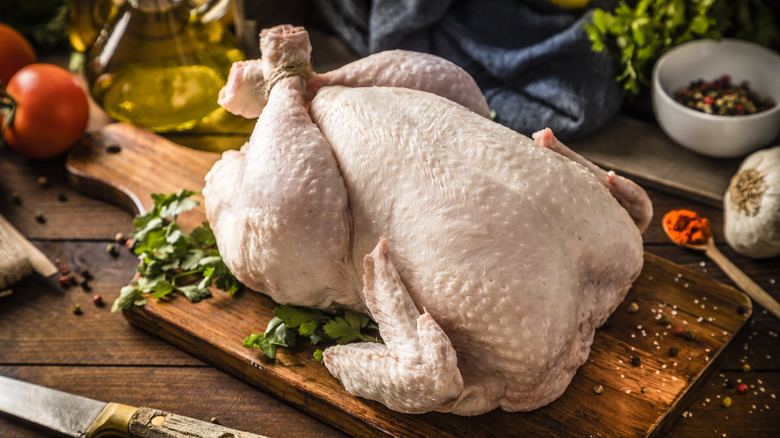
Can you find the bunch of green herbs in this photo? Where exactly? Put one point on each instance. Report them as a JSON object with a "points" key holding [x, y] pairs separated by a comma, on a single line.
{"points": [[171, 260], [637, 35], [290, 323]]}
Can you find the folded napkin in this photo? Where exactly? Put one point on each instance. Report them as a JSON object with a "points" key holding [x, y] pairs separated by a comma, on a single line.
{"points": [[531, 59]]}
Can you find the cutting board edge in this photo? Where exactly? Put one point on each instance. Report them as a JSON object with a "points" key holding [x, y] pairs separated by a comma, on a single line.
{"points": [[349, 422], [310, 402]]}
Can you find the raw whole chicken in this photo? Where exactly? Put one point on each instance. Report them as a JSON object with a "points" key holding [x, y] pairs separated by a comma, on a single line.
{"points": [[487, 258]]}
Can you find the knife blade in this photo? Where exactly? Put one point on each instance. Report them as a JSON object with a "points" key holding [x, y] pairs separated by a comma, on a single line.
{"points": [[83, 417]]}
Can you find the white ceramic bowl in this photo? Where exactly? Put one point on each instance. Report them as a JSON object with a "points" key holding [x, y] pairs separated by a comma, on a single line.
{"points": [[714, 135]]}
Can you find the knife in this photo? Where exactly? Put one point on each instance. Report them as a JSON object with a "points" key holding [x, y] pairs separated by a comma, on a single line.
{"points": [[78, 416]]}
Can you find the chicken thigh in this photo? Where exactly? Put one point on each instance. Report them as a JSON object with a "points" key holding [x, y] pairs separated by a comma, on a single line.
{"points": [[487, 259]]}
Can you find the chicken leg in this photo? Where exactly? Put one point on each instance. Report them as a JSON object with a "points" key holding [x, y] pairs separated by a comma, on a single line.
{"points": [[288, 232]]}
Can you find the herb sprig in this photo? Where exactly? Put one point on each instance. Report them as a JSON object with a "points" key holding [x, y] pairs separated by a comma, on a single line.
{"points": [[342, 327], [171, 260], [637, 36]]}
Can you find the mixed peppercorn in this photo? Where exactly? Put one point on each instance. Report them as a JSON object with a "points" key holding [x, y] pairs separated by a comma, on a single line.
{"points": [[721, 97]]}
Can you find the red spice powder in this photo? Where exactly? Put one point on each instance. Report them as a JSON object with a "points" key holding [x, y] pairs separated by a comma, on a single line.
{"points": [[686, 227]]}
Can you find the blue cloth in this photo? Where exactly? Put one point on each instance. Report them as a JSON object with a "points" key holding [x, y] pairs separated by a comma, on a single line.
{"points": [[532, 60]]}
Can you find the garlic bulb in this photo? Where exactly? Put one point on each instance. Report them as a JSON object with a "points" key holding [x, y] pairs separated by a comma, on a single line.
{"points": [[751, 206]]}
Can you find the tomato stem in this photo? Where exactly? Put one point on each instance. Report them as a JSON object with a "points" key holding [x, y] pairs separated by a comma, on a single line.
{"points": [[7, 112]]}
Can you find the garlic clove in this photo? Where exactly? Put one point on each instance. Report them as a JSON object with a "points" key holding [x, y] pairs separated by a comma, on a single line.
{"points": [[751, 206]]}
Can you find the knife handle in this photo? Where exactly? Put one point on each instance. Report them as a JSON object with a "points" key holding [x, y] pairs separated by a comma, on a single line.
{"points": [[153, 423]]}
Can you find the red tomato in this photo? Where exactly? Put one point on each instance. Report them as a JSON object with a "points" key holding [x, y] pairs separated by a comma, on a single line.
{"points": [[15, 52], [51, 111]]}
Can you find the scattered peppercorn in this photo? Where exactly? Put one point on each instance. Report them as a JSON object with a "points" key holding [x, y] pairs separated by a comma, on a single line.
{"points": [[215, 420], [16, 198], [64, 281], [111, 250], [673, 352], [86, 274], [61, 197], [76, 309], [727, 402], [97, 300], [742, 310], [635, 361], [64, 270], [688, 335], [120, 238], [679, 331], [633, 308], [84, 284], [664, 319], [746, 368], [742, 388], [72, 279], [113, 149], [729, 384], [39, 218], [43, 182], [598, 389], [721, 97]]}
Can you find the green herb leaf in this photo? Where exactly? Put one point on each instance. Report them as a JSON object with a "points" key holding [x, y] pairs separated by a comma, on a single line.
{"points": [[636, 37], [171, 260], [315, 325]]}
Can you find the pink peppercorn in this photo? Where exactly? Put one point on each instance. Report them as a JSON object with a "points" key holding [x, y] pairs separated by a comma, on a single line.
{"points": [[742, 388], [98, 300], [679, 331]]}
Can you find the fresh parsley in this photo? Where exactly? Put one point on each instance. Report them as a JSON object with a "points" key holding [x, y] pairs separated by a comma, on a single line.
{"points": [[637, 36], [171, 260], [290, 323]]}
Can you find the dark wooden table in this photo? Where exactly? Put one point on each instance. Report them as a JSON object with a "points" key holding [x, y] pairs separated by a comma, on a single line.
{"points": [[99, 355]]}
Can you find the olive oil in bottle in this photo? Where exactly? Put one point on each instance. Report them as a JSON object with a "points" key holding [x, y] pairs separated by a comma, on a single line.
{"points": [[158, 67]]}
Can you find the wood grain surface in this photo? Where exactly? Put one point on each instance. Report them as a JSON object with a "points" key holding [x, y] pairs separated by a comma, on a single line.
{"points": [[638, 399], [98, 354]]}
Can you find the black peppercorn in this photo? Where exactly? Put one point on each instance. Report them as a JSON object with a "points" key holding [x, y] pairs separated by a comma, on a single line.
{"points": [[673, 352]]}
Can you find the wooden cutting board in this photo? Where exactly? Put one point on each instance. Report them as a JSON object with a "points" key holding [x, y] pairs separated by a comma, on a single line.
{"points": [[125, 165]]}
